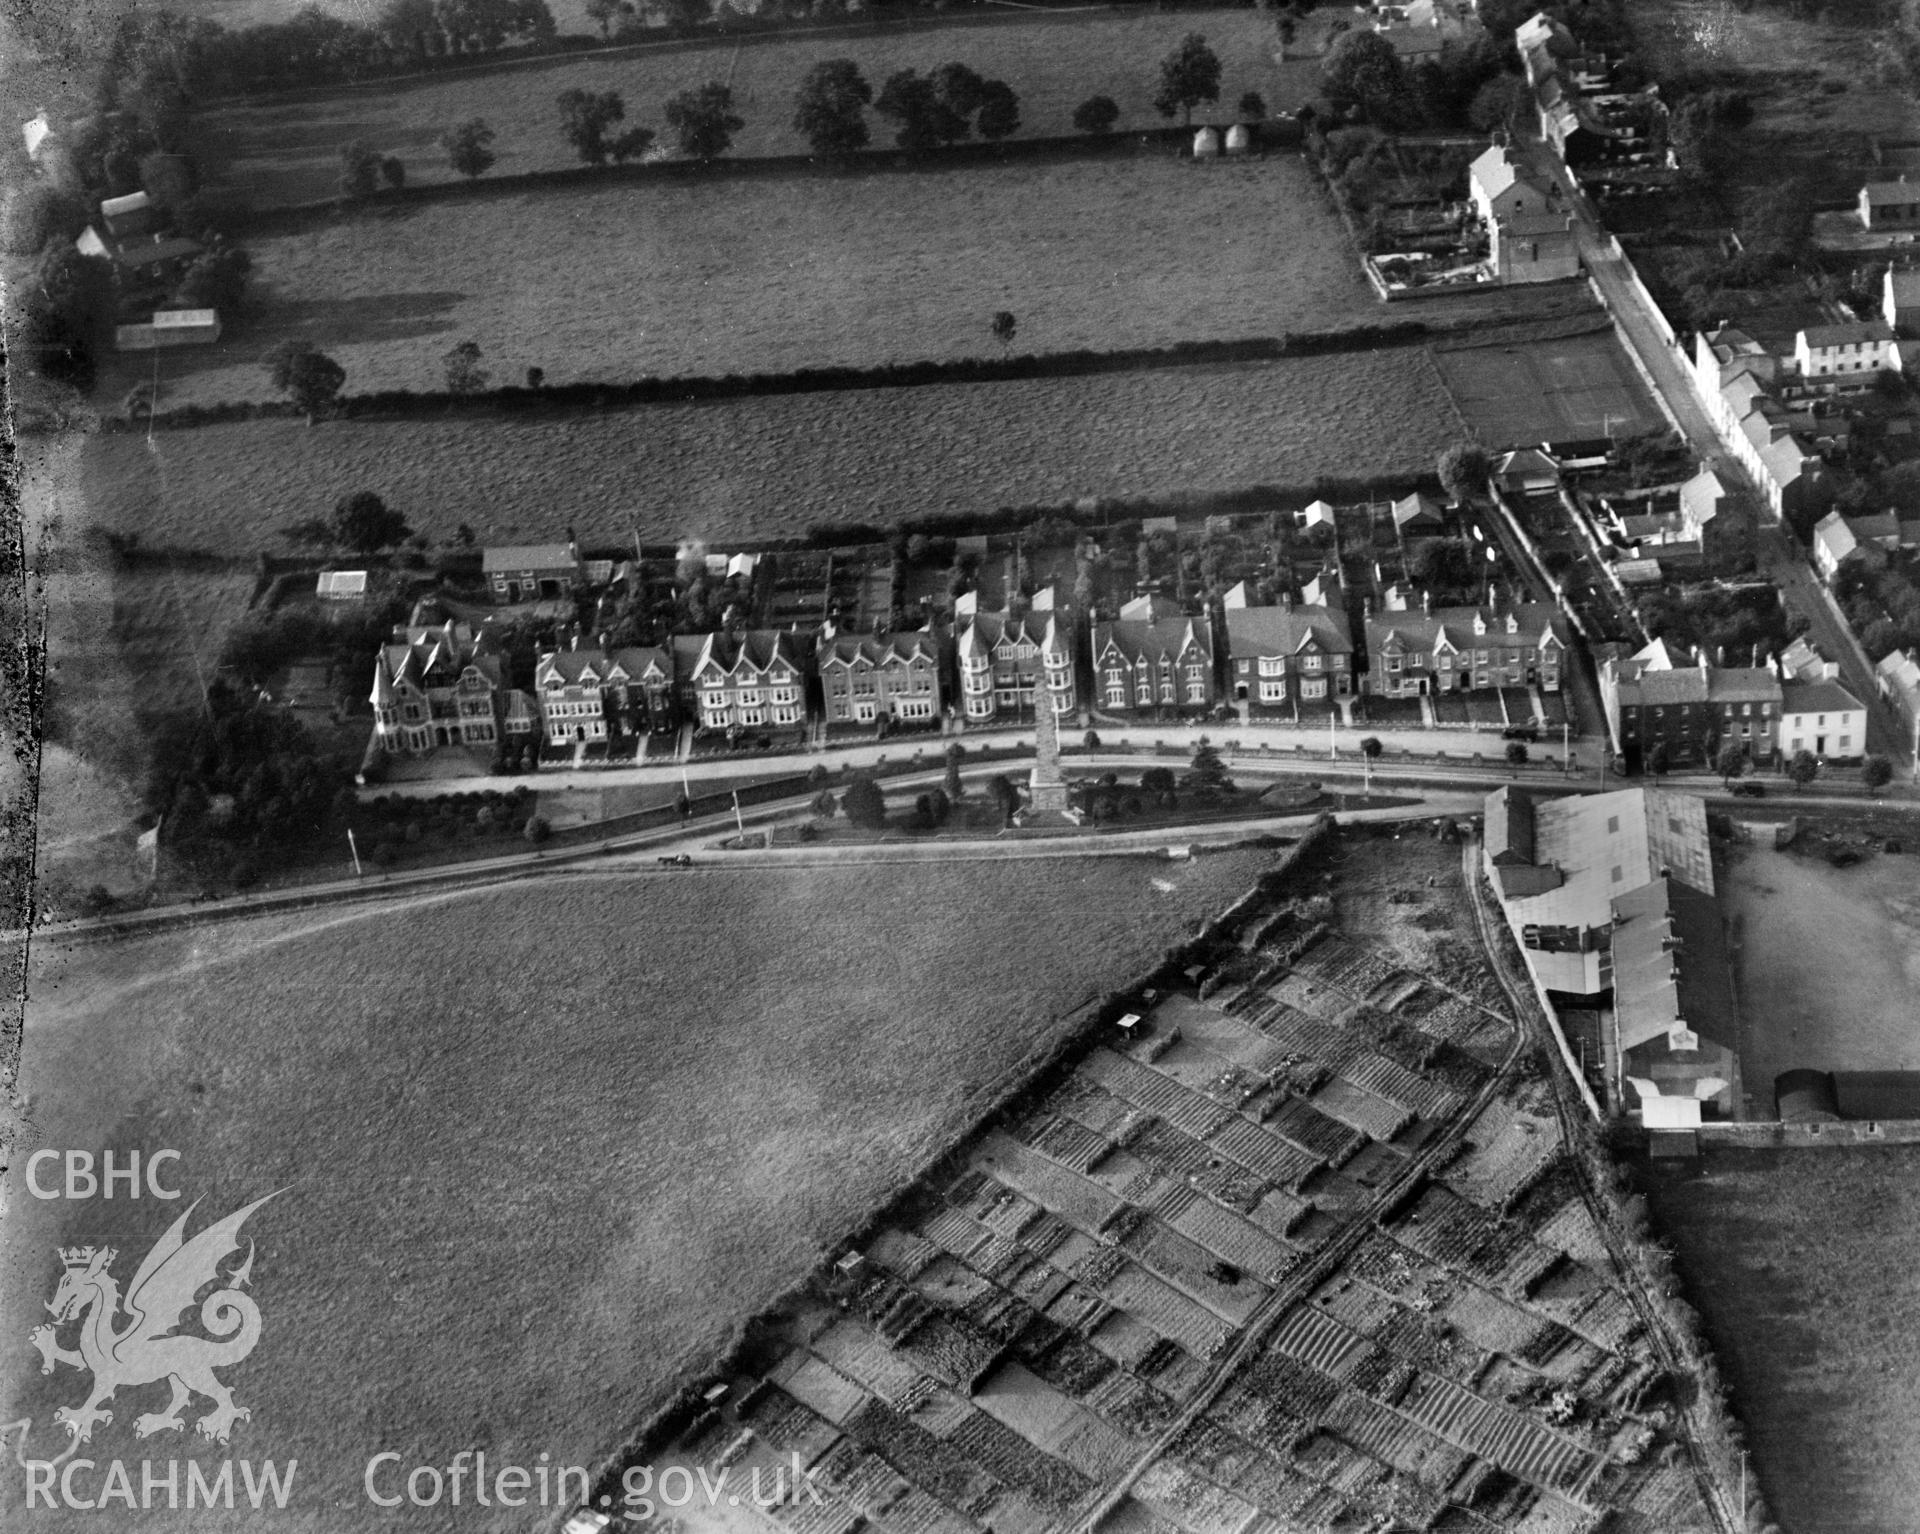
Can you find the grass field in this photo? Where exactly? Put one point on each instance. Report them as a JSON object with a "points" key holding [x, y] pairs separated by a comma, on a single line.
{"points": [[269, 154], [544, 1146], [1828, 964], [1802, 1263], [1569, 389], [772, 466], [772, 275]]}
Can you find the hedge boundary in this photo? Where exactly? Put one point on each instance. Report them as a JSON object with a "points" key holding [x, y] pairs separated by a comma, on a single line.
{"points": [[240, 221], [515, 399]]}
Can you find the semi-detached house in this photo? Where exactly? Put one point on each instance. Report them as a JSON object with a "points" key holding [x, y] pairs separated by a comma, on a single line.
{"points": [[754, 680], [437, 686], [1281, 658], [1153, 658], [864, 678]]}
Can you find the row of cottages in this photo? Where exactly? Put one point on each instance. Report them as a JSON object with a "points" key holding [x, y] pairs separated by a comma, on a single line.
{"points": [[1153, 657], [437, 685], [1612, 900], [1836, 539], [1898, 678], [1529, 231], [1737, 380], [1457, 649], [1282, 658]]}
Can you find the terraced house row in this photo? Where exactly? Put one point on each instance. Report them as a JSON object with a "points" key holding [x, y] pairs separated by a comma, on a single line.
{"points": [[448, 684]]}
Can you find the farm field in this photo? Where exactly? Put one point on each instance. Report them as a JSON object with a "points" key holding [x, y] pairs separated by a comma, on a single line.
{"points": [[1571, 389], [771, 467], [272, 153], [544, 1146], [1827, 964], [1802, 1264], [776, 274]]}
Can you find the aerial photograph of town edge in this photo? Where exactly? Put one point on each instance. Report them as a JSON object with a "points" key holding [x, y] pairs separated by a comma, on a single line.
{"points": [[960, 766]]}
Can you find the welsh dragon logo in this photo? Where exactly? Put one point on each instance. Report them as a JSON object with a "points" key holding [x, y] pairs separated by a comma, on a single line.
{"points": [[148, 1347]]}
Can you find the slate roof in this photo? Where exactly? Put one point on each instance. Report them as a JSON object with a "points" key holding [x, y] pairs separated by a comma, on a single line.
{"points": [[900, 644], [1690, 684], [1843, 335], [1163, 641], [528, 556], [1256, 631], [1423, 631], [1885, 194], [1817, 698]]}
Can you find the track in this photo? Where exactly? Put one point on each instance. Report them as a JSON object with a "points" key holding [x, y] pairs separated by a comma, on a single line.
{"points": [[1573, 1123]]}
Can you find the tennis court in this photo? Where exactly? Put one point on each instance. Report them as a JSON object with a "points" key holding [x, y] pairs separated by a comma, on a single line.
{"points": [[1571, 389]]}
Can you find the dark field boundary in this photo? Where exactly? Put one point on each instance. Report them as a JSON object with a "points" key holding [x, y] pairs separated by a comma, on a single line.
{"points": [[739, 30], [1018, 1089], [566, 399], [295, 217]]}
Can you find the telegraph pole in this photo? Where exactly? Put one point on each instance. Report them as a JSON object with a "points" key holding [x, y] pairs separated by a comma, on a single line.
{"points": [[354, 848]]}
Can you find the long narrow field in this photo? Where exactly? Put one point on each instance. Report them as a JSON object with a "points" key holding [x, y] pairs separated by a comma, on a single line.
{"points": [[1803, 1264], [541, 1147], [772, 466], [270, 154], [772, 275]]}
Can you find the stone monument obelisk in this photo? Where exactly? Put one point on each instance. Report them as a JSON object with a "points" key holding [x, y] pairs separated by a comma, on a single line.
{"points": [[1047, 802]]}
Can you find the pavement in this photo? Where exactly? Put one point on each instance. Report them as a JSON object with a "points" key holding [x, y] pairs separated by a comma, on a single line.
{"points": [[1236, 742]]}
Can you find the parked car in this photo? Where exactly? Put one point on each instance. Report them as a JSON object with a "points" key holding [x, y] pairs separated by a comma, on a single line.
{"points": [[1528, 732], [680, 860]]}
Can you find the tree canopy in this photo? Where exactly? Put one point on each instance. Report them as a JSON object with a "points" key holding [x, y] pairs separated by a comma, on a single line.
{"points": [[366, 524], [1362, 73], [1188, 76], [830, 111], [586, 122], [864, 804], [1097, 114], [703, 121], [306, 375], [469, 147]]}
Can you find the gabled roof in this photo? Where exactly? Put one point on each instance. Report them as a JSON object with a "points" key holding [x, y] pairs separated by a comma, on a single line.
{"points": [[1537, 625], [1152, 608], [1509, 825], [1256, 631], [1417, 507], [1524, 461], [981, 632], [1853, 334], [1165, 641], [1883, 194], [1817, 698], [754, 651], [903, 645], [1496, 171], [528, 556], [1786, 460], [1903, 282], [1899, 670]]}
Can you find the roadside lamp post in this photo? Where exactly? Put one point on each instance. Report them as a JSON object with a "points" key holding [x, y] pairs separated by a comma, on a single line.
{"points": [[354, 848]]}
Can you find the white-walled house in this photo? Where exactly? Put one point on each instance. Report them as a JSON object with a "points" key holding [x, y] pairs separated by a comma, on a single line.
{"points": [[1821, 717]]}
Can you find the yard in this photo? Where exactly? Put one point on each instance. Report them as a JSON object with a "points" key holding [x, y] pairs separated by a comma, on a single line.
{"points": [[775, 274], [1828, 964], [771, 467], [544, 1147], [271, 153], [1803, 1263]]}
